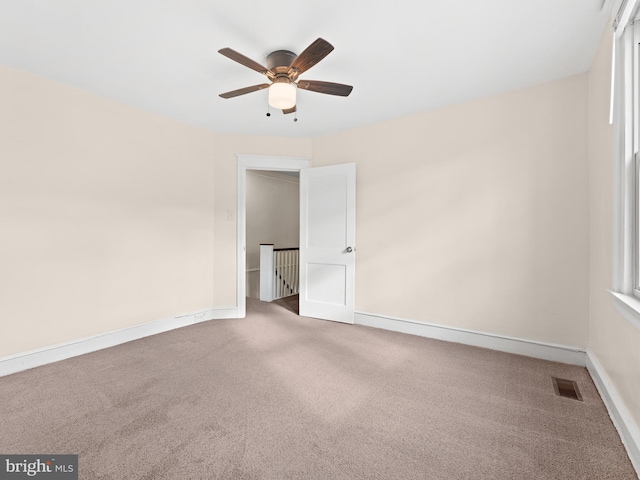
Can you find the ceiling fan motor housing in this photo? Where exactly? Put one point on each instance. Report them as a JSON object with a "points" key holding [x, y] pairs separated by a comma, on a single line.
{"points": [[280, 60]]}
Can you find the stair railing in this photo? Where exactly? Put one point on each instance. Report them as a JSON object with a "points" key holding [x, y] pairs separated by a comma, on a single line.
{"points": [[279, 272]]}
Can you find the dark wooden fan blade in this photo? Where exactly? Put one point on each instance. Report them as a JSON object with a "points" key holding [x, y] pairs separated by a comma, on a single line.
{"points": [[242, 91], [326, 87], [289, 110], [242, 60], [312, 55]]}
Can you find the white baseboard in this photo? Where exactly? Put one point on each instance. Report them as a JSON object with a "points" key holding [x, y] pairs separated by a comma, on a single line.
{"points": [[54, 353], [221, 313], [624, 423], [519, 346]]}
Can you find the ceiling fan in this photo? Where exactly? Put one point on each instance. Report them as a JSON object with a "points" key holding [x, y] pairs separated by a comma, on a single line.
{"points": [[283, 68]]}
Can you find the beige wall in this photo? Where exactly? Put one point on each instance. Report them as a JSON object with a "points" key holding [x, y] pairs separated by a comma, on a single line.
{"points": [[111, 216], [476, 216], [614, 341], [106, 214], [473, 216], [273, 216]]}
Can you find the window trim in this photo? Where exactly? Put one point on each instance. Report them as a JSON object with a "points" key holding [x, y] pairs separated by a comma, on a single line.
{"points": [[634, 212], [626, 235], [632, 169], [628, 306]]}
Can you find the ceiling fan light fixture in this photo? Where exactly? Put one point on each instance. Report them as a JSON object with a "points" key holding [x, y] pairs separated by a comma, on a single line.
{"points": [[282, 94], [282, 70]]}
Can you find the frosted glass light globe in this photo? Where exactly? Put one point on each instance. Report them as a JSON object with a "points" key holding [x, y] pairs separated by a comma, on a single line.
{"points": [[282, 95]]}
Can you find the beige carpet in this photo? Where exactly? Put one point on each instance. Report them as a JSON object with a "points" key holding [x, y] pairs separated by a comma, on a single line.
{"points": [[277, 396]]}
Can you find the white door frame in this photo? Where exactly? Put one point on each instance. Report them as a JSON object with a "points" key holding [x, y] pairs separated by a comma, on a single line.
{"points": [[254, 162]]}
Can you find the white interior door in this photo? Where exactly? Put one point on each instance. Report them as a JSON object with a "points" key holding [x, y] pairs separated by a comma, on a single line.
{"points": [[327, 242]]}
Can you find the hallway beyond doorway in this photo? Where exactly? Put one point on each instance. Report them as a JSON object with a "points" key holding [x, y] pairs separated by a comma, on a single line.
{"points": [[291, 303]]}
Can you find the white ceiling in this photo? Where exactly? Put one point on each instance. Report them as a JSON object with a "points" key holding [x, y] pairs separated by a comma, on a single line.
{"points": [[401, 56]]}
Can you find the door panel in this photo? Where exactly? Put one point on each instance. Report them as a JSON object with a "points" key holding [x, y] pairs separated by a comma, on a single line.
{"points": [[326, 211], [329, 283], [327, 242]]}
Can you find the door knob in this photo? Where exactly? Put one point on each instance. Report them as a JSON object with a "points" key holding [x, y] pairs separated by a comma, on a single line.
{"points": [[349, 250]]}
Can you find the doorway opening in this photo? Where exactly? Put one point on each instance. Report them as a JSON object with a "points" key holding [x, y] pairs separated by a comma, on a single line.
{"points": [[273, 236], [264, 167]]}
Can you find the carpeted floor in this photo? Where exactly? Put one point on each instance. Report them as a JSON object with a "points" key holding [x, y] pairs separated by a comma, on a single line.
{"points": [[277, 396]]}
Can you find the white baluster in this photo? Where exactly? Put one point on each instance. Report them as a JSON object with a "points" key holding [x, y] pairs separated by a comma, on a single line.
{"points": [[279, 275], [288, 272], [296, 272], [276, 280]]}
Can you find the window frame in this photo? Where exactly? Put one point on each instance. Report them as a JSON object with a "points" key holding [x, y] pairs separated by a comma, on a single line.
{"points": [[626, 112], [633, 170], [635, 209]]}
